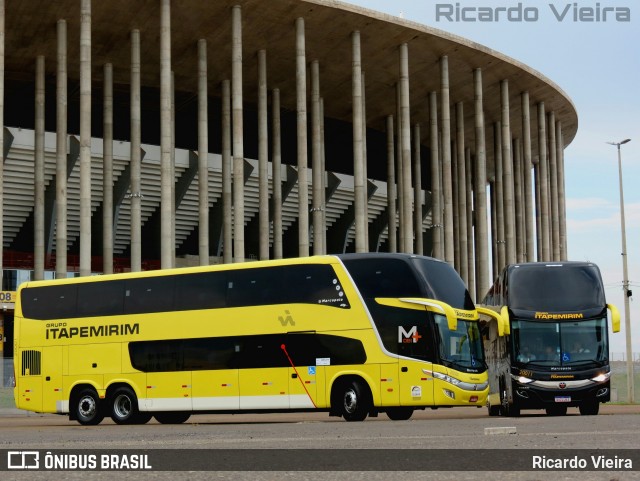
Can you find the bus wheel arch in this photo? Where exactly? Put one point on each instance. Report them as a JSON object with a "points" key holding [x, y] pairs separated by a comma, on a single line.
{"points": [[85, 405], [351, 398]]}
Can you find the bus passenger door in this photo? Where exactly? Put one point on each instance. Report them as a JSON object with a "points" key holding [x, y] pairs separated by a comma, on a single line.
{"points": [[416, 344], [416, 383]]}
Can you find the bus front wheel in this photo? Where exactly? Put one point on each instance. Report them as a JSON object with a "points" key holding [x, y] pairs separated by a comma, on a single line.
{"points": [[87, 408], [355, 403], [399, 414], [589, 408]]}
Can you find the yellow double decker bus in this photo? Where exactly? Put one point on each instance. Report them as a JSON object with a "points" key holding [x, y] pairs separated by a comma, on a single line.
{"points": [[354, 335]]}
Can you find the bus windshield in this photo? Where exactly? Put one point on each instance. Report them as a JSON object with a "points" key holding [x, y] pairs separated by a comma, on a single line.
{"points": [[443, 283], [555, 289], [560, 344], [462, 347]]}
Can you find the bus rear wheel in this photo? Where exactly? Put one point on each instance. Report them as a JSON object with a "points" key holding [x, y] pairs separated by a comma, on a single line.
{"points": [[87, 408], [355, 402], [124, 407], [172, 418], [399, 414]]}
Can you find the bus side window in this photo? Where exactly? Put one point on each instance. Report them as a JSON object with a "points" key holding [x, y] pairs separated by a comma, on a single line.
{"points": [[149, 294], [201, 291], [100, 299]]}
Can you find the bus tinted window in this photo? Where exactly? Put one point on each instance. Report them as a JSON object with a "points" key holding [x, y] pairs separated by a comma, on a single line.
{"points": [[206, 290], [51, 302], [244, 352], [314, 284], [383, 278], [555, 289], [254, 287], [444, 283], [149, 294], [100, 299]]}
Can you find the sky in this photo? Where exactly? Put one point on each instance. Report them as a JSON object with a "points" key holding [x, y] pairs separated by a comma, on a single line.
{"points": [[597, 64]]}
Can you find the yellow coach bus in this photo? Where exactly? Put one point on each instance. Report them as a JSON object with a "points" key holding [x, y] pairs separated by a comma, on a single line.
{"points": [[353, 334]]}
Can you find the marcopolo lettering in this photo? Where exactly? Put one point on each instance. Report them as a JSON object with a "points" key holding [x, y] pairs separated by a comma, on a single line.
{"points": [[56, 331]]}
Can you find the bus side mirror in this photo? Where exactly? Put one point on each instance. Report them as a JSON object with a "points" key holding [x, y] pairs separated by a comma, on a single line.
{"points": [[439, 307], [615, 318], [494, 315], [504, 312]]}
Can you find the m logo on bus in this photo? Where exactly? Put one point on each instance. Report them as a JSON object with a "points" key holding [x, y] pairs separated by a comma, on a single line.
{"points": [[408, 337], [287, 320]]}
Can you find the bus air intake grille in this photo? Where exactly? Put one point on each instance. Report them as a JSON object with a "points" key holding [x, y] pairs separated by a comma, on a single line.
{"points": [[31, 363]]}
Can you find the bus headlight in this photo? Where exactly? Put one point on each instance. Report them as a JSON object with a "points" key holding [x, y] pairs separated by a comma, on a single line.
{"points": [[466, 386], [601, 377], [521, 379]]}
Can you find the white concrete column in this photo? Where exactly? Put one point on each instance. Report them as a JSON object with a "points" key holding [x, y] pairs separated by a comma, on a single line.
{"points": [[553, 180], [399, 176], [499, 195], [405, 140], [527, 166], [61, 151], [436, 190], [136, 154], [471, 284], [85, 138], [38, 173], [167, 250], [544, 184], [323, 168], [364, 163], [277, 174], [507, 178], [301, 107], [561, 192], [227, 174], [518, 203], [263, 158], [360, 195], [316, 161], [417, 191], [203, 155], [447, 189], [107, 172], [391, 187], [462, 194], [238, 134], [481, 230]]}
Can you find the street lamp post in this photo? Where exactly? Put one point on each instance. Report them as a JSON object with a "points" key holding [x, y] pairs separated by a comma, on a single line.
{"points": [[625, 282]]}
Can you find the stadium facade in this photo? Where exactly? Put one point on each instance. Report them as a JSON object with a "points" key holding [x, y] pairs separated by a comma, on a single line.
{"points": [[156, 133]]}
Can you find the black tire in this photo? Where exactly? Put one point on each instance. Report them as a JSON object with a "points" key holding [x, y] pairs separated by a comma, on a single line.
{"points": [[493, 410], [556, 410], [354, 401], [124, 406], [589, 408], [399, 413], [172, 417], [508, 409], [142, 418], [87, 408]]}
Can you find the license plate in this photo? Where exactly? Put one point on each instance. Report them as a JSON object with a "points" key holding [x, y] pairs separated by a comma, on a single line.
{"points": [[563, 399]]}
